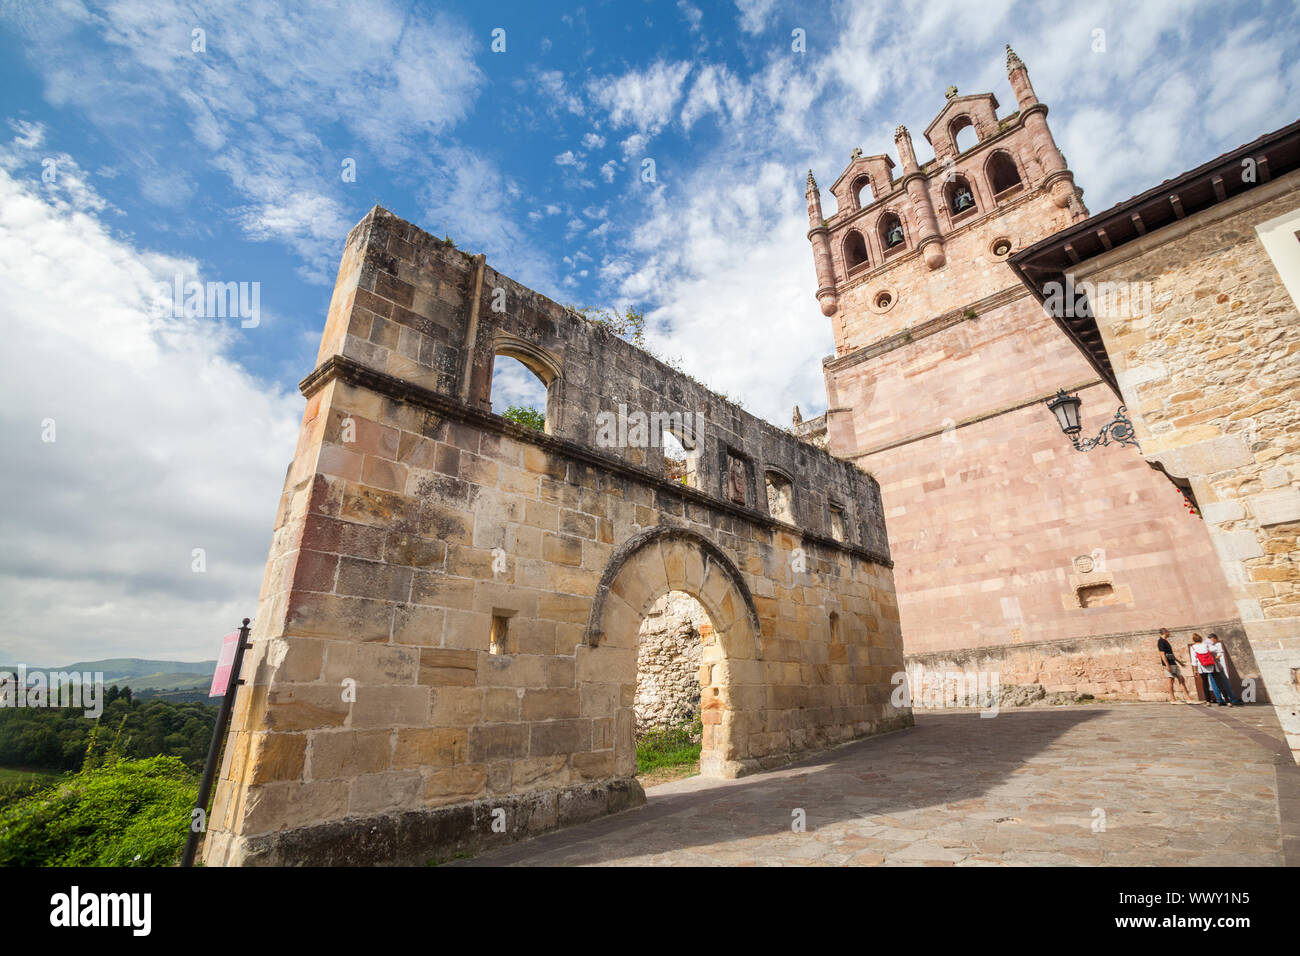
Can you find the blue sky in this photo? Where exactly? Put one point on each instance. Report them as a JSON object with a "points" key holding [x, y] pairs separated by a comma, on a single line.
{"points": [[225, 164]]}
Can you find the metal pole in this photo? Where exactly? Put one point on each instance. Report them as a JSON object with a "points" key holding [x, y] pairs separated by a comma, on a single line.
{"points": [[214, 748]]}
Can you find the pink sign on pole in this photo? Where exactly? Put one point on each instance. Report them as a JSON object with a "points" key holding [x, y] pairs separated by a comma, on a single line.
{"points": [[221, 679]]}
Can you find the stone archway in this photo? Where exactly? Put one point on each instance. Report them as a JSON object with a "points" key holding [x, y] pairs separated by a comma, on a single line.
{"points": [[650, 565]]}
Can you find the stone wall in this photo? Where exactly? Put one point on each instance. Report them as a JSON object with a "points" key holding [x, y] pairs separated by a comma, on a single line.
{"points": [[998, 526], [1212, 381], [668, 662], [1106, 667], [444, 652]]}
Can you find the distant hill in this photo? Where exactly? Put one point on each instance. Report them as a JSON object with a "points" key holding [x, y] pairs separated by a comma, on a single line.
{"points": [[140, 673]]}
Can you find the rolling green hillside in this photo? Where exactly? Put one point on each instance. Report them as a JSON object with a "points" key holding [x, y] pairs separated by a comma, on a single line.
{"points": [[141, 674]]}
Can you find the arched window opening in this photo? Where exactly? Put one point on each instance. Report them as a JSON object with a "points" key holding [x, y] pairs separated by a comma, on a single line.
{"points": [[862, 192], [525, 383], [780, 497], [964, 136], [891, 232], [837, 631], [1003, 174], [855, 251], [518, 393], [960, 197]]}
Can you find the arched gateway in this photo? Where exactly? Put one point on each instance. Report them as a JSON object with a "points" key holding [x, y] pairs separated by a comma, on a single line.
{"points": [[445, 647], [648, 566]]}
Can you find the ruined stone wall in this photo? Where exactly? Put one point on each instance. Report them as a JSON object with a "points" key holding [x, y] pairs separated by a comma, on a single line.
{"points": [[668, 662], [447, 631], [1212, 381]]}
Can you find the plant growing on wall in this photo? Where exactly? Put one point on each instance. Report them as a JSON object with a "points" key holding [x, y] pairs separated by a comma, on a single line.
{"points": [[528, 417]]}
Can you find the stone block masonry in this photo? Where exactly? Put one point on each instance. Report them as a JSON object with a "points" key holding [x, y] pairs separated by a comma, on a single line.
{"points": [[445, 646], [1212, 379]]}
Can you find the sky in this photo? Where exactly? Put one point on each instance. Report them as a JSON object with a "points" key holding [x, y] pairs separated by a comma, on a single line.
{"points": [[624, 154]]}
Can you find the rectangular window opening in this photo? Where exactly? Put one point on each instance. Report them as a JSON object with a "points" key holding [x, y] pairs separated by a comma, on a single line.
{"points": [[499, 641]]}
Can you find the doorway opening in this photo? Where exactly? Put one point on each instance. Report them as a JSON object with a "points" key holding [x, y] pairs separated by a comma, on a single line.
{"points": [[672, 651]]}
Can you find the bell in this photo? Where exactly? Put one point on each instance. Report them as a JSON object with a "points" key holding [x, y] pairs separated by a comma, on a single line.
{"points": [[895, 235], [963, 200]]}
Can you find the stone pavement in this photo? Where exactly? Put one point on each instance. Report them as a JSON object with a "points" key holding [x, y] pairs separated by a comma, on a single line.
{"points": [[1109, 785]]}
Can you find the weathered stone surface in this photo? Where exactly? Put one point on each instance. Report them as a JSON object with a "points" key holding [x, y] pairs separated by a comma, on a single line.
{"points": [[1224, 326], [477, 588]]}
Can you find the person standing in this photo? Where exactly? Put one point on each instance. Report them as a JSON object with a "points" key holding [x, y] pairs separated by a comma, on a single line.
{"points": [[1221, 669], [1205, 660], [1170, 663]]}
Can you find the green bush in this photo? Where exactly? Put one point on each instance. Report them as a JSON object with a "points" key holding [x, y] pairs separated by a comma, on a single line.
{"points": [[125, 813]]}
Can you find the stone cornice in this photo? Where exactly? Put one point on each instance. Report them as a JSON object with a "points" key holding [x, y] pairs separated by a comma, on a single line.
{"points": [[915, 333], [342, 368]]}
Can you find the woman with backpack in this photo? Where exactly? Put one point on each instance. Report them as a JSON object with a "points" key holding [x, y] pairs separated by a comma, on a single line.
{"points": [[1221, 668], [1207, 663]]}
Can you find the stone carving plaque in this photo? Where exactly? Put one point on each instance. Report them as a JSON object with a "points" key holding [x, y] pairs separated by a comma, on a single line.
{"points": [[736, 480]]}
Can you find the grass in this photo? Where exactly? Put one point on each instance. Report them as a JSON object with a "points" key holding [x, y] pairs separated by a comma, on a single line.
{"points": [[21, 777], [673, 749], [19, 782]]}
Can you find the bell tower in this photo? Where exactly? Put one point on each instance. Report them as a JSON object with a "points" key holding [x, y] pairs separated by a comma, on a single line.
{"points": [[923, 241], [1002, 534]]}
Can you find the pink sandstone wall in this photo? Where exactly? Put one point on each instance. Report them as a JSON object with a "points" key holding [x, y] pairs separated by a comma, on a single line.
{"points": [[1013, 551], [987, 514]]}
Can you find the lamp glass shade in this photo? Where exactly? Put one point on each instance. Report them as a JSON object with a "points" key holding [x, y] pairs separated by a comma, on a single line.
{"points": [[1066, 409]]}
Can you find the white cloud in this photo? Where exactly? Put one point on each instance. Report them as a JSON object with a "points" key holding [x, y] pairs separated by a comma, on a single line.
{"points": [[645, 98], [754, 14], [551, 84], [634, 146], [607, 170], [692, 14], [716, 90], [163, 445], [269, 78], [567, 158], [727, 268], [593, 141]]}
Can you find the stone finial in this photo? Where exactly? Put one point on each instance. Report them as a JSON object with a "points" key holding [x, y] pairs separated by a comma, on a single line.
{"points": [[950, 92], [812, 183], [900, 132], [1013, 62], [798, 419], [857, 153]]}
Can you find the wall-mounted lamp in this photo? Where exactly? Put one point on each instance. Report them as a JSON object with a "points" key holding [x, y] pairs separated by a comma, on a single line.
{"points": [[1066, 409]]}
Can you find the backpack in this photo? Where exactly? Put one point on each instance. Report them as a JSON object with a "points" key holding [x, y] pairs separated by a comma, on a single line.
{"points": [[1207, 659]]}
